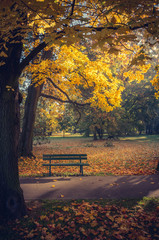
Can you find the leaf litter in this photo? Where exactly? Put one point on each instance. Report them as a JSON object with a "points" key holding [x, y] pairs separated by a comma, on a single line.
{"points": [[54, 220], [125, 158]]}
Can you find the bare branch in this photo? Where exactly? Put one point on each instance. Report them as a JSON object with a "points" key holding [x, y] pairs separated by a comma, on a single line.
{"points": [[61, 100], [57, 87], [54, 98], [122, 44], [145, 25]]}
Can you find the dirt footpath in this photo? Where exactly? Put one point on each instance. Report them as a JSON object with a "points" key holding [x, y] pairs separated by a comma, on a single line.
{"points": [[90, 187]]}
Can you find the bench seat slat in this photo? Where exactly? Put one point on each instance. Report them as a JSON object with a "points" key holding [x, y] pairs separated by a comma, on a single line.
{"points": [[64, 158], [62, 155], [66, 164]]}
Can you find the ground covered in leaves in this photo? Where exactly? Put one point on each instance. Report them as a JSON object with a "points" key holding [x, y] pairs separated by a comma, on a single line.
{"points": [[127, 156], [91, 220], [102, 219]]}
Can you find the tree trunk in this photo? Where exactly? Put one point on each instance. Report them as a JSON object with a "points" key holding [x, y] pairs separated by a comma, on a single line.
{"points": [[100, 132], [94, 134], [26, 139], [12, 203], [87, 132]]}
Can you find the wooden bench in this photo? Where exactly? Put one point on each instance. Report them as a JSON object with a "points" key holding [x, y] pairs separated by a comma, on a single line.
{"points": [[65, 157]]}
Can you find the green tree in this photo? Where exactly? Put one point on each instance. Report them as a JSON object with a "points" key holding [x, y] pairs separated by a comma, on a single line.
{"points": [[139, 111], [141, 107]]}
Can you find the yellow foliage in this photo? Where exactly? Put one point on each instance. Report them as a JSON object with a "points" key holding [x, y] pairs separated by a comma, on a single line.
{"points": [[63, 22], [74, 74], [155, 82]]}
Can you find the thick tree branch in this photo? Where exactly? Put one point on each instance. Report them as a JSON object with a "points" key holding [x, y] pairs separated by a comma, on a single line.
{"points": [[57, 87], [138, 26], [54, 98], [63, 101], [76, 105], [31, 55], [72, 9], [65, 94], [41, 46], [69, 100]]}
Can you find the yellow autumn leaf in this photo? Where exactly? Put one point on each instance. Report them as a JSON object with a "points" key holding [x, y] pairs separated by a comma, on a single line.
{"points": [[44, 217], [65, 209]]}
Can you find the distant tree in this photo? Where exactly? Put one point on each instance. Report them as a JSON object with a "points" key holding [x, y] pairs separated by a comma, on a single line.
{"points": [[46, 121], [139, 111]]}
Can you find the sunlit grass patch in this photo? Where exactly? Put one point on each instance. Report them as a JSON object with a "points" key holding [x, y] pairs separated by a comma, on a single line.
{"points": [[141, 138]]}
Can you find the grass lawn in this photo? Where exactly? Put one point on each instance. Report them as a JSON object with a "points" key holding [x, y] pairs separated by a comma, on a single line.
{"points": [[101, 219], [127, 156]]}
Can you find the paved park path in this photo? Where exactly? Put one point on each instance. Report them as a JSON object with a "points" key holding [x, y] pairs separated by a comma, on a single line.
{"points": [[90, 187]]}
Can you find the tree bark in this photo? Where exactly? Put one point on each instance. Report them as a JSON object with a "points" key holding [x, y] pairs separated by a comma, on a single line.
{"points": [[94, 134], [100, 132], [12, 203], [26, 138]]}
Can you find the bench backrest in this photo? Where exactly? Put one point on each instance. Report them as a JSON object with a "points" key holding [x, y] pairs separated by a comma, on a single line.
{"points": [[65, 157]]}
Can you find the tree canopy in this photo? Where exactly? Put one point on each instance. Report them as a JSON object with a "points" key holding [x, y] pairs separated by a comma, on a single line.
{"points": [[111, 22]]}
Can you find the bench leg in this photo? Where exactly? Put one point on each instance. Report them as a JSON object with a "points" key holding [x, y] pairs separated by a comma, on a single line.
{"points": [[81, 170], [49, 171]]}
